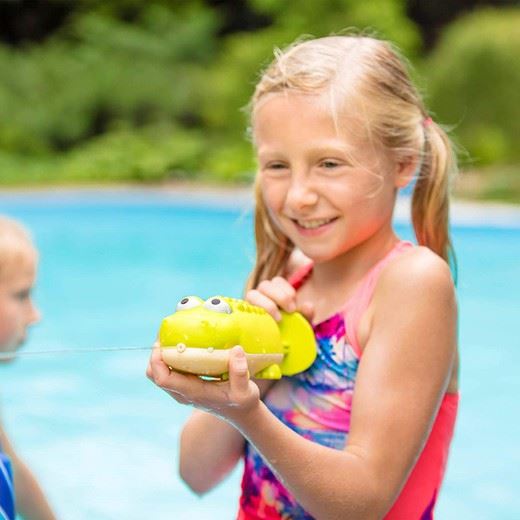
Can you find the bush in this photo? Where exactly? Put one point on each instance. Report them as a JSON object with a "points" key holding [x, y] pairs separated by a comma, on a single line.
{"points": [[230, 161], [145, 155], [474, 80], [149, 154], [105, 99], [98, 74]]}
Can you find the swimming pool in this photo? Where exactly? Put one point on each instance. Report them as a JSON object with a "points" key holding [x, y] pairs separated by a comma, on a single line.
{"points": [[103, 439]]}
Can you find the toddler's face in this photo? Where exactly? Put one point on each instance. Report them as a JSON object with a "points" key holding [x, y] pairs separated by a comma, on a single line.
{"points": [[17, 311]]}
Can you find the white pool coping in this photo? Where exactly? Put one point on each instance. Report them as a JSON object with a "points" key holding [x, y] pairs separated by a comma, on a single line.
{"points": [[469, 213]]}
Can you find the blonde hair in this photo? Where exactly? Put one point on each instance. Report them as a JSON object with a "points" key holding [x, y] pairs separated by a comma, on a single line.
{"points": [[15, 242], [371, 77]]}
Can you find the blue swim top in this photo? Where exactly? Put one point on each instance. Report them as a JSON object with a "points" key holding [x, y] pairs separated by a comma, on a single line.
{"points": [[7, 510]]}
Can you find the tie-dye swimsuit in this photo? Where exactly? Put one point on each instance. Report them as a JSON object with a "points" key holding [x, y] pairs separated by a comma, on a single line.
{"points": [[317, 405]]}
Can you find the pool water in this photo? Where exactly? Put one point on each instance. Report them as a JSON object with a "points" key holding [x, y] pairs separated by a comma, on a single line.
{"points": [[103, 440]]}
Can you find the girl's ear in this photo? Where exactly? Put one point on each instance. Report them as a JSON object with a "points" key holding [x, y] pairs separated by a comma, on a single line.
{"points": [[405, 171]]}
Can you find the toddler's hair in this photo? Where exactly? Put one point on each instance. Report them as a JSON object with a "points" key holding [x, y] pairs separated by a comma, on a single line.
{"points": [[15, 241], [369, 77]]}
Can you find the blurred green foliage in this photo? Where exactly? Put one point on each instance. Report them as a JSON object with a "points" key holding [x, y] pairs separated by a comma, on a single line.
{"points": [[107, 100], [474, 84], [146, 154], [156, 97], [160, 93], [100, 74]]}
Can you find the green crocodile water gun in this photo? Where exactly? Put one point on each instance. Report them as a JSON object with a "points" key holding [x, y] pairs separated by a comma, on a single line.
{"points": [[197, 338]]}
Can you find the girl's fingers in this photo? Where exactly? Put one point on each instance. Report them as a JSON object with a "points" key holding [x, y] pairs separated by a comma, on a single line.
{"points": [[156, 353], [156, 361], [255, 297], [280, 291], [287, 293], [238, 372], [223, 398], [155, 357], [161, 374], [175, 383], [272, 295]]}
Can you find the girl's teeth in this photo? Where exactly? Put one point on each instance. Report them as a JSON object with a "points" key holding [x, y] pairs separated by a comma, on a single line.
{"points": [[312, 224]]}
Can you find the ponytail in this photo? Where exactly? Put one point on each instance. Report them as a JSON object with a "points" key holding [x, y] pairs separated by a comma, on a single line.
{"points": [[430, 201], [273, 248]]}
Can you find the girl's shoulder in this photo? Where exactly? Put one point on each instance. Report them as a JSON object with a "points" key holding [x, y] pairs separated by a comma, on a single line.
{"points": [[416, 284], [414, 292], [416, 273]]}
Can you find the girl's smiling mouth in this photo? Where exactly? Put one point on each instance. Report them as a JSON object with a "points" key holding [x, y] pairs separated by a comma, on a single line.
{"points": [[313, 225]]}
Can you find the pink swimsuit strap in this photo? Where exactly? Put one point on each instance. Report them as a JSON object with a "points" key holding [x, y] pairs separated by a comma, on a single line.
{"points": [[357, 304], [298, 278]]}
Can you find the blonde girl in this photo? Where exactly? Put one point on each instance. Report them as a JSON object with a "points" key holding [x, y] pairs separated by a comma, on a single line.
{"points": [[338, 128]]}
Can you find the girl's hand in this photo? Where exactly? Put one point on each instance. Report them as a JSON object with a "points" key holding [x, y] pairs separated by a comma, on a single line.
{"points": [[276, 294], [227, 399]]}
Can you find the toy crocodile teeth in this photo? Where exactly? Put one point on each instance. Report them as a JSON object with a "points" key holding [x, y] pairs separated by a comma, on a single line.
{"points": [[197, 338]]}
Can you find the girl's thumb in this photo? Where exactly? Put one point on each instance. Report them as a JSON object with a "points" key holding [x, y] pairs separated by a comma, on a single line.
{"points": [[238, 371]]}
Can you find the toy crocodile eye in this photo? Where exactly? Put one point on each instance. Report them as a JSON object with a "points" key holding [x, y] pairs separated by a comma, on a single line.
{"points": [[218, 305], [188, 302]]}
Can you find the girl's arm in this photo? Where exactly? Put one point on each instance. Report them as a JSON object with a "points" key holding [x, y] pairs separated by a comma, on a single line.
{"points": [[31, 503], [409, 347], [210, 447]]}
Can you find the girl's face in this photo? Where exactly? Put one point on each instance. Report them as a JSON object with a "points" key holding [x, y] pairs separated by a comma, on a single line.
{"points": [[17, 311], [327, 189]]}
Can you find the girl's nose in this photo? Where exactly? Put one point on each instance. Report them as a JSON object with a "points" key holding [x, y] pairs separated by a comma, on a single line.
{"points": [[301, 194]]}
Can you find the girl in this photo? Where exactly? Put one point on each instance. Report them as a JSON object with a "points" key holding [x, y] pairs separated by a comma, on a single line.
{"points": [[18, 260], [338, 128]]}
